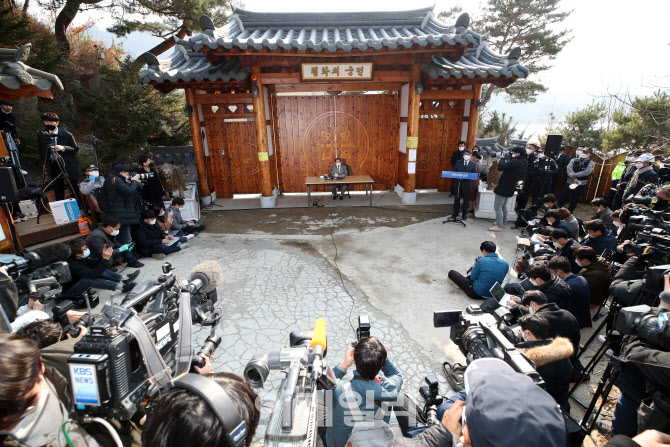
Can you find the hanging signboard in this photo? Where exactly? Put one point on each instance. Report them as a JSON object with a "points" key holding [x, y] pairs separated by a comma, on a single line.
{"points": [[359, 71]]}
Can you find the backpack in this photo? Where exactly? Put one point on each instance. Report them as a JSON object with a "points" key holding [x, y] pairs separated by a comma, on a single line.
{"points": [[376, 433]]}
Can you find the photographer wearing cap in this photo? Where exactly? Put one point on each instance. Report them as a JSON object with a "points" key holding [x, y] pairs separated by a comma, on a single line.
{"points": [[182, 418], [152, 193], [488, 270], [58, 143], [578, 170], [497, 396], [643, 176], [91, 188], [513, 168]]}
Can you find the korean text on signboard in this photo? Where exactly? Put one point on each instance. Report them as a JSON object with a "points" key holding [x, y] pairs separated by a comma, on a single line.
{"points": [[322, 72]]}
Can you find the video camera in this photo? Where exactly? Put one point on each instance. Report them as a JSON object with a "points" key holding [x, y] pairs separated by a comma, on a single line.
{"points": [[143, 176], [432, 399], [478, 334], [363, 329], [653, 327], [293, 420], [128, 353]]}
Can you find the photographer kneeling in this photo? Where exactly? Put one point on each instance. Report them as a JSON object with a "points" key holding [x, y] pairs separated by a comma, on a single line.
{"points": [[488, 270]]}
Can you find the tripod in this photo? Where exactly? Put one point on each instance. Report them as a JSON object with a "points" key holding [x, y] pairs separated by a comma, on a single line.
{"points": [[50, 154]]}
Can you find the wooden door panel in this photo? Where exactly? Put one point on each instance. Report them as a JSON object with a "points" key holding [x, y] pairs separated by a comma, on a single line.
{"points": [[242, 152], [219, 161]]}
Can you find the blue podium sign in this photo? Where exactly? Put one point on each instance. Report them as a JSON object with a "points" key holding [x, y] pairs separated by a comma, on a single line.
{"points": [[460, 175]]}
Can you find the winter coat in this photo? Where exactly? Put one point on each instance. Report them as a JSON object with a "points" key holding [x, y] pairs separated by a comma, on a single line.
{"points": [[568, 251], [152, 190], [607, 241], [597, 275], [96, 241], [486, 272], [456, 156], [69, 154], [580, 304], [641, 178], [122, 199], [513, 170], [177, 222], [552, 362], [581, 169], [87, 268], [561, 323], [606, 216], [574, 225], [557, 291], [147, 237]]}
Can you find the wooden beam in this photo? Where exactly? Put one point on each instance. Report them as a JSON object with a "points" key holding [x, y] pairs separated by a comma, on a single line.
{"points": [[294, 78], [228, 98], [413, 116], [198, 149], [25, 91], [260, 124], [473, 122], [448, 94], [340, 87]]}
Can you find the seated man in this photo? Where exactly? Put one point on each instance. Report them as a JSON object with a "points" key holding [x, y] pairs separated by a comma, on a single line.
{"points": [[596, 271], [566, 247], [88, 273], [43, 332], [600, 238], [187, 226], [561, 322], [498, 396], [551, 357], [370, 358], [571, 220], [152, 241], [336, 172], [552, 287], [488, 270], [105, 236], [182, 418], [581, 295], [602, 212]]}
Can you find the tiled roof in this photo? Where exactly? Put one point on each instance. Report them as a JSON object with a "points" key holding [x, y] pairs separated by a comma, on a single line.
{"points": [[478, 63], [14, 73], [190, 66], [329, 32]]}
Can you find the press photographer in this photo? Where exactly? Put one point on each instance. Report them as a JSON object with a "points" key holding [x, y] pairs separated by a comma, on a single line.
{"points": [[513, 167], [644, 175], [153, 193], [58, 153], [540, 171]]}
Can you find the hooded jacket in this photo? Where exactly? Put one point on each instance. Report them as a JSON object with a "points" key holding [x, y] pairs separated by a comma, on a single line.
{"points": [[597, 275], [552, 361], [512, 170], [148, 236], [122, 198]]}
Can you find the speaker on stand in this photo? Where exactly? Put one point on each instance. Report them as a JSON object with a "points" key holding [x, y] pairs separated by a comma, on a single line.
{"points": [[553, 146]]}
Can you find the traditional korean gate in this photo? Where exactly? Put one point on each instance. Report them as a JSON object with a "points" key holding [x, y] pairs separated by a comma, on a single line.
{"points": [[234, 153], [360, 129], [439, 133]]}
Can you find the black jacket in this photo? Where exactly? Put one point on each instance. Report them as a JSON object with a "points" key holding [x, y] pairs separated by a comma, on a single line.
{"points": [[552, 362], [87, 268], [96, 241], [541, 169], [568, 251], [644, 179], [8, 123], [561, 323], [147, 236], [557, 291], [456, 156], [152, 191], [513, 170], [461, 166], [69, 154], [122, 199]]}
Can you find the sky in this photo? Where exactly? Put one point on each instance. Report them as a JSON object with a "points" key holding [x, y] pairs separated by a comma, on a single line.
{"points": [[617, 46]]}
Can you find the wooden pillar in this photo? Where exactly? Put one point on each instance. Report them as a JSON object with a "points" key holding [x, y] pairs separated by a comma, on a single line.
{"points": [[413, 115], [260, 123], [198, 149], [473, 120]]}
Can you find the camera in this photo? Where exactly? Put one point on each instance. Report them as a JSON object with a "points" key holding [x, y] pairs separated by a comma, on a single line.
{"points": [[478, 335], [73, 329], [363, 329], [653, 327], [206, 350], [143, 176], [431, 395]]}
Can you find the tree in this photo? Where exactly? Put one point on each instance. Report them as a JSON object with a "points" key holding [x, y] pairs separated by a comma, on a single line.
{"points": [[584, 127], [642, 123], [128, 115], [528, 24], [499, 126]]}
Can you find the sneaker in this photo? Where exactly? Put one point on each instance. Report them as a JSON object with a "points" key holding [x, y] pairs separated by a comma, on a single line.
{"points": [[495, 228], [185, 245], [127, 287], [132, 277], [158, 256], [135, 264], [335, 197], [195, 233], [189, 236]]}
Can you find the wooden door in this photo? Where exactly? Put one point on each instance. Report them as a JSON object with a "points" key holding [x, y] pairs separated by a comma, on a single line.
{"points": [[360, 129], [440, 128], [219, 161]]}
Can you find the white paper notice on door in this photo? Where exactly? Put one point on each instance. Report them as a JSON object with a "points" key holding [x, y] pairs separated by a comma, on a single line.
{"points": [[411, 168], [412, 155]]}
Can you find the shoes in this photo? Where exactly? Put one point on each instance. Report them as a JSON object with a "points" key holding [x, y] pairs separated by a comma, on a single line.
{"points": [[24, 172], [341, 197], [604, 427], [127, 287], [495, 228], [133, 276], [189, 236], [195, 233], [135, 264], [158, 256], [453, 218], [185, 245], [334, 196]]}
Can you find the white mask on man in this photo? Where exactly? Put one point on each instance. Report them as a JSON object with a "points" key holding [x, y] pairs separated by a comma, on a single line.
{"points": [[639, 165], [583, 156], [533, 282], [531, 310], [540, 155], [152, 222], [578, 153], [617, 223], [338, 164], [461, 148], [114, 233], [466, 157], [578, 263]]}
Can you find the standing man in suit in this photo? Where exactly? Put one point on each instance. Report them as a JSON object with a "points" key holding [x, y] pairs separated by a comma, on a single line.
{"points": [[63, 144], [339, 171], [456, 156], [462, 187]]}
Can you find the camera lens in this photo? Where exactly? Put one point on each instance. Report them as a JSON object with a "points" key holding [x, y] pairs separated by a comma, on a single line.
{"points": [[257, 371]]}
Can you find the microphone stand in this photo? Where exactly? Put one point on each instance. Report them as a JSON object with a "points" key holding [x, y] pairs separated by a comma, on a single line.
{"points": [[456, 199]]}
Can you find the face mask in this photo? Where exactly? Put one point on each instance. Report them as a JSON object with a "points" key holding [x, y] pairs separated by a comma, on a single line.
{"points": [[152, 222], [578, 153], [578, 263], [531, 310], [161, 214], [86, 253], [466, 157], [461, 148], [115, 233], [50, 127], [523, 334], [583, 155], [551, 222], [92, 177], [338, 164], [533, 282], [540, 155], [639, 165], [617, 224]]}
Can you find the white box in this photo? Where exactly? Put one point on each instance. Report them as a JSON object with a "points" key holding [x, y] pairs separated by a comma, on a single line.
{"points": [[28, 208], [65, 211]]}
